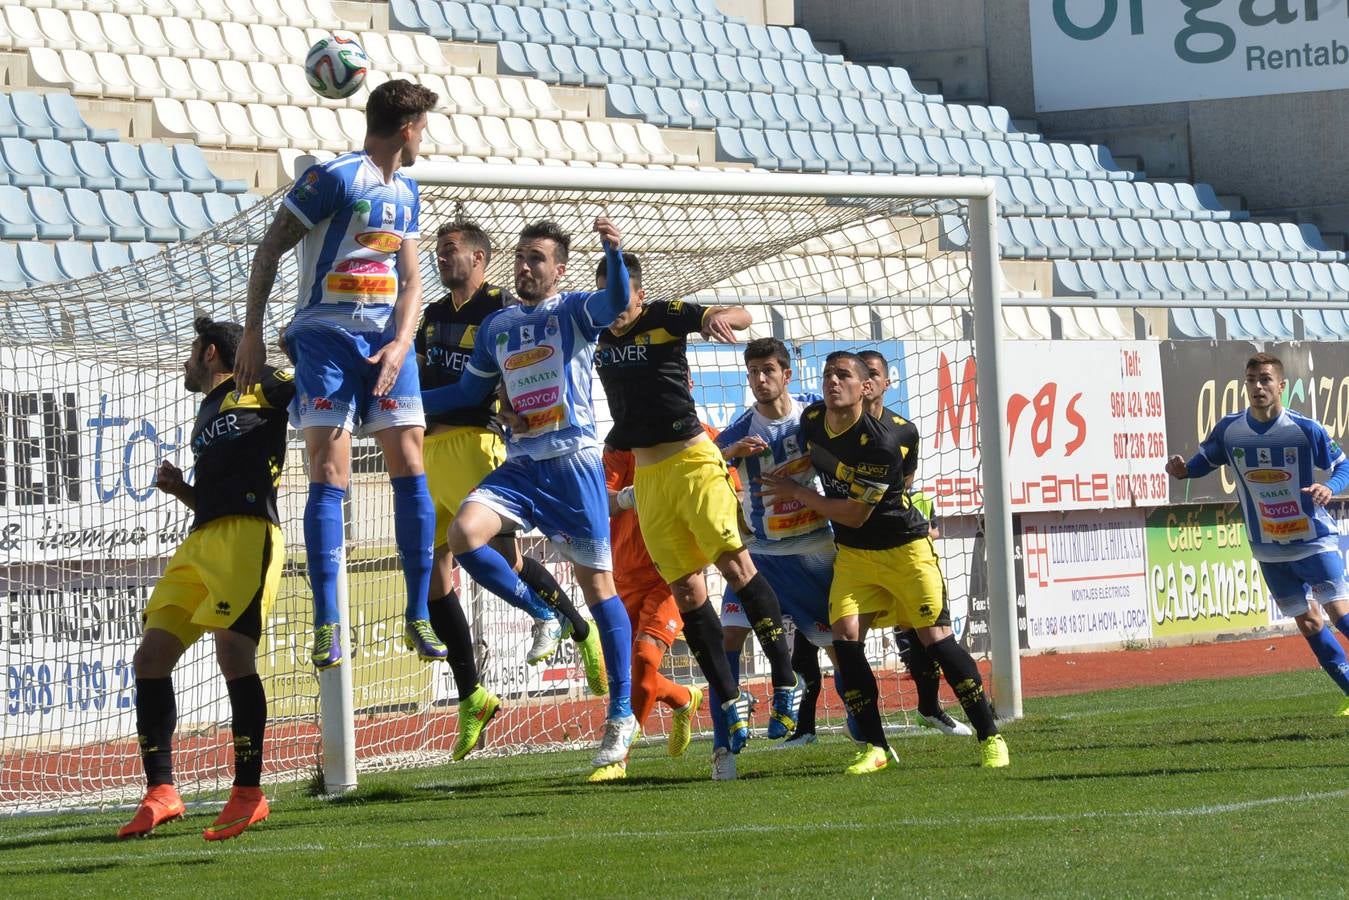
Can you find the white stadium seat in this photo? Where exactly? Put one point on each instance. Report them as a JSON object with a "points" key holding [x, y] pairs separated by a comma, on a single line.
{"points": [[205, 123], [112, 71], [239, 133], [271, 136], [145, 76]]}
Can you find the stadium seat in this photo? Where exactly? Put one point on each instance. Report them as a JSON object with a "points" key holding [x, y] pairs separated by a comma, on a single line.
{"points": [[12, 278], [219, 207], [16, 217], [124, 221], [189, 212], [37, 261], [160, 225], [75, 259], [157, 160], [19, 164], [125, 161], [54, 158], [86, 215]]}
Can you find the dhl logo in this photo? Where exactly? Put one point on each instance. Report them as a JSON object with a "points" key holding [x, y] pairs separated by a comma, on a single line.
{"points": [[1285, 529], [528, 357], [365, 285], [383, 241], [1267, 476], [793, 521], [539, 421], [794, 467]]}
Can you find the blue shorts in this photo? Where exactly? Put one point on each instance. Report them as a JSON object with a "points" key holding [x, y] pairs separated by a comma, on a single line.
{"points": [[801, 581], [564, 497], [334, 382], [1288, 581]]}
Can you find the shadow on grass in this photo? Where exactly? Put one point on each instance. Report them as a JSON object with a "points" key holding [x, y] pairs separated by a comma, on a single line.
{"points": [[1213, 740], [1165, 771]]}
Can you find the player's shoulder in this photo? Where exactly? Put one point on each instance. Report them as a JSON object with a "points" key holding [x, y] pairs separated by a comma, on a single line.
{"points": [[738, 428], [278, 383], [812, 417], [498, 295], [1309, 425], [889, 427], [406, 181], [806, 398]]}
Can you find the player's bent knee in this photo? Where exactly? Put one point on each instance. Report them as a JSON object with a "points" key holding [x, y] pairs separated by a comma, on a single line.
{"points": [[236, 654], [157, 654], [737, 567]]}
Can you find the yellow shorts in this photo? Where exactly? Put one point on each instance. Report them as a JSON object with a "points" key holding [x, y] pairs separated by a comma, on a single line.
{"points": [[902, 585], [689, 513], [225, 575], [456, 461]]}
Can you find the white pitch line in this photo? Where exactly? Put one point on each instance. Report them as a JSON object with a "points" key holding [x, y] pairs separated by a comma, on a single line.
{"points": [[17, 866]]}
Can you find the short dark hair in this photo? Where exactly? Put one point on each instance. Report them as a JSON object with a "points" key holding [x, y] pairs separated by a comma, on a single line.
{"points": [[868, 356], [1265, 359], [766, 347], [473, 235], [630, 262], [547, 229], [224, 335], [395, 103], [858, 366]]}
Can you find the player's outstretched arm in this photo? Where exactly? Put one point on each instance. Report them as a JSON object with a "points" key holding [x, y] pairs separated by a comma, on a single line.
{"points": [[605, 306], [470, 390], [169, 479], [285, 232], [843, 510], [722, 322]]}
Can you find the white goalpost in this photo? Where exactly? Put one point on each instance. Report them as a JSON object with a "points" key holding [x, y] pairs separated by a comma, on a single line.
{"points": [[91, 401]]}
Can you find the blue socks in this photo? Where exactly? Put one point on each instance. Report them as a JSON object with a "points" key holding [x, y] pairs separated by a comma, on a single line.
{"points": [[323, 541], [1343, 625], [1331, 656], [414, 532], [720, 736], [490, 569], [616, 642]]}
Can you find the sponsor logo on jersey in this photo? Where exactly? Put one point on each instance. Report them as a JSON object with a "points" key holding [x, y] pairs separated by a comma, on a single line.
{"points": [[1292, 528], [361, 285], [864, 440], [1263, 457], [875, 469], [538, 421], [383, 241], [1280, 510], [361, 267], [1268, 476], [536, 399], [361, 207], [528, 357], [322, 403], [1290, 456]]}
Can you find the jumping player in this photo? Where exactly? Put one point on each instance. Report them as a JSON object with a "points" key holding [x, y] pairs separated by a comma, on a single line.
{"points": [[462, 447], [682, 489], [1274, 452], [351, 340], [886, 572], [222, 579], [922, 668], [553, 477]]}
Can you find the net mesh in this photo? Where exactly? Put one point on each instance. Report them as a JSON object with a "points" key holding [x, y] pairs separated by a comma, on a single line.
{"points": [[91, 401]]}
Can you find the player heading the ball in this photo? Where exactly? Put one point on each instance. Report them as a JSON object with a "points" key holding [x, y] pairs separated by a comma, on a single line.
{"points": [[351, 339]]}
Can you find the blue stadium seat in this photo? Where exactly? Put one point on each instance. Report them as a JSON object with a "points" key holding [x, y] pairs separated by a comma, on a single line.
{"points": [[504, 21], [110, 255], [12, 278], [164, 175], [75, 259], [9, 126], [191, 163], [69, 124], [434, 15], [511, 60], [55, 158], [189, 212], [16, 218], [483, 24], [219, 207], [86, 215], [38, 262], [91, 161], [153, 208], [125, 161], [558, 27], [21, 167], [403, 16], [124, 221], [50, 214], [35, 122]]}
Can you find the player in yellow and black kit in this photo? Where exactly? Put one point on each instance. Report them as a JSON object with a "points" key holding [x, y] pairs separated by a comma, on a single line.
{"points": [[886, 572], [682, 489], [461, 448], [222, 579]]}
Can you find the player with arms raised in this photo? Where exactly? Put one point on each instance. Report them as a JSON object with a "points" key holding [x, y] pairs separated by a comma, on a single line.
{"points": [[351, 340], [541, 350], [1274, 452], [682, 489], [462, 447], [222, 579], [886, 572]]}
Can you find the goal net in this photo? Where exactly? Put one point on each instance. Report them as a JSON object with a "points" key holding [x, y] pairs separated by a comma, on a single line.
{"points": [[91, 400]]}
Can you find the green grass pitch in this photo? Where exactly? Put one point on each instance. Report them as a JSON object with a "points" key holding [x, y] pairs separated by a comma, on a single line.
{"points": [[1215, 788]]}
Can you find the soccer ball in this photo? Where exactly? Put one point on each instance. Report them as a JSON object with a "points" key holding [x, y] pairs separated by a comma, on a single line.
{"points": [[336, 67]]}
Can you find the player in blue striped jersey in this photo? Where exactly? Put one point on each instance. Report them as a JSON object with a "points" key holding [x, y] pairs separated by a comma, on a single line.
{"points": [[791, 545], [542, 350], [1275, 452], [351, 339]]}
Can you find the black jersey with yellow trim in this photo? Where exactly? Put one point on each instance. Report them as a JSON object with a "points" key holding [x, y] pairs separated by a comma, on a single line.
{"points": [[869, 462], [645, 373], [239, 444], [444, 342]]}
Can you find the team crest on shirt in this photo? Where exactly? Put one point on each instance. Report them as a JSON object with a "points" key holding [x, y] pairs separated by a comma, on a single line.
{"points": [[551, 328], [361, 207], [1238, 454], [864, 440], [1263, 457], [1290, 456]]}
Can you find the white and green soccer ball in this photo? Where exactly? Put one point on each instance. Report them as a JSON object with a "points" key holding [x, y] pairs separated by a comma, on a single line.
{"points": [[336, 67]]}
